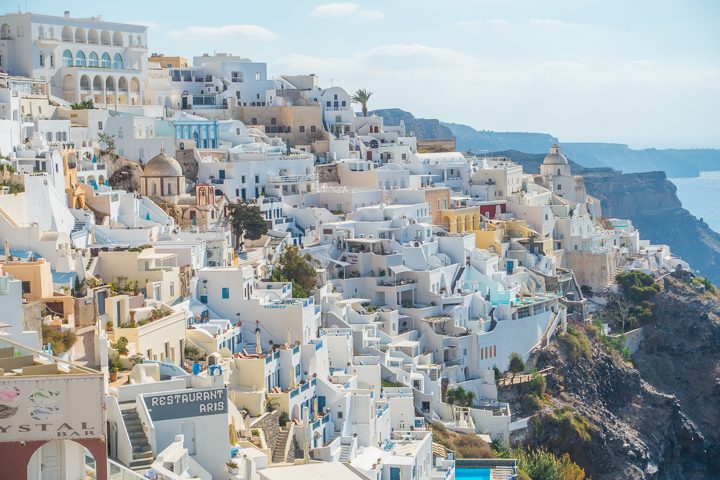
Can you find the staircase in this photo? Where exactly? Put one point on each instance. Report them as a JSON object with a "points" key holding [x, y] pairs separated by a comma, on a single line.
{"points": [[142, 453], [278, 455], [345, 453]]}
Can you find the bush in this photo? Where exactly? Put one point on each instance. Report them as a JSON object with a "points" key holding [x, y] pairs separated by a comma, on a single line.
{"points": [[60, 340], [576, 344], [517, 365], [543, 465], [284, 419], [536, 386], [121, 346], [531, 403], [637, 286]]}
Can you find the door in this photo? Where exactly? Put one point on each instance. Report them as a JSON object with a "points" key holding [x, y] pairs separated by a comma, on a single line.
{"points": [[184, 103], [50, 459], [188, 431], [368, 155]]}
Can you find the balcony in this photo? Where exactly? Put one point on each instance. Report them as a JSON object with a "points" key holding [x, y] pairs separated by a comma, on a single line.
{"points": [[288, 179]]}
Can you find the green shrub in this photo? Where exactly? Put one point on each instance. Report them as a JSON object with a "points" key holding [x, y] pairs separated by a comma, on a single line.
{"points": [[637, 286], [535, 386], [60, 340], [576, 344], [530, 403]]}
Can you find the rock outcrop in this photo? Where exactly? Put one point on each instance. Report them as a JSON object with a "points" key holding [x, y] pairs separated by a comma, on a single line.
{"points": [[658, 419]]}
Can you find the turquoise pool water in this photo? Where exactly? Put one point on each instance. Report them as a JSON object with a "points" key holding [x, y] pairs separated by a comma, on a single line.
{"points": [[472, 473]]}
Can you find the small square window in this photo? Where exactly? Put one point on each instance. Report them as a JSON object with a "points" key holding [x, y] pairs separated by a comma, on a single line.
{"points": [[225, 293]]}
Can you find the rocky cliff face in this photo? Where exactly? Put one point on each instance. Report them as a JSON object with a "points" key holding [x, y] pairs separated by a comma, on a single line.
{"points": [[658, 419]]}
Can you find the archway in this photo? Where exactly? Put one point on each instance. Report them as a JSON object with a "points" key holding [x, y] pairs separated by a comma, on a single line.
{"points": [[93, 37], [98, 83], [295, 413], [117, 39], [85, 83], [93, 60], [105, 60], [135, 87], [105, 37], [63, 460], [80, 60], [5, 31]]}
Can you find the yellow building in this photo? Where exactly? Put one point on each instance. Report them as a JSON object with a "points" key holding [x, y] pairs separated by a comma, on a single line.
{"points": [[37, 286], [75, 194], [169, 62]]}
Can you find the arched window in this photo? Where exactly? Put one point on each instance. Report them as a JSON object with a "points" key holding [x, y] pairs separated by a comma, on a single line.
{"points": [[41, 32], [5, 31], [93, 60], [117, 39], [105, 60], [98, 83], [80, 35], [67, 59], [117, 62], [93, 37], [67, 34], [80, 59], [105, 37]]}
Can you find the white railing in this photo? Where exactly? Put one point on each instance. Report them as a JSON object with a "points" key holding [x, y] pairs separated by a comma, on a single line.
{"points": [[119, 472]]}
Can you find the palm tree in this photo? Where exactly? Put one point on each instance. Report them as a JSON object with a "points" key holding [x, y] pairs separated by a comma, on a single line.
{"points": [[362, 96]]}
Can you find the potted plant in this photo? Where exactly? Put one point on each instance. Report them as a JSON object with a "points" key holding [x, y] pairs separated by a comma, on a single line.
{"points": [[109, 326], [113, 374], [232, 467]]}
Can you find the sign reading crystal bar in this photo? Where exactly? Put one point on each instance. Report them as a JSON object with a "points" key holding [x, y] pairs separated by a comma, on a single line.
{"points": [[186, 403], [46, 407]]}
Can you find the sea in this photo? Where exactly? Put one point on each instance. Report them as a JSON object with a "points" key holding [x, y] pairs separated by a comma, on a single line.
{"points": [[701, 196]]}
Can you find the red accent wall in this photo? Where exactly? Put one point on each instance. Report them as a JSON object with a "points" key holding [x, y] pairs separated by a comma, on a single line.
{"points": [[489, 210], [15, 457]]}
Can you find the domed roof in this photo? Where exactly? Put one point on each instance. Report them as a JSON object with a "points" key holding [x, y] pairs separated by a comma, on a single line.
{"points": [[162, 166], [555, 156]]}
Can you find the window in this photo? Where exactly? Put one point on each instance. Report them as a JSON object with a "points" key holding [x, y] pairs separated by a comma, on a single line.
{"points": [[80, 59], [558, 171], [302, 128], [172, 289], [93, 60], [273, 121], [99, 125], [117, 62], [257, 178], [42, 60], [313, 129], [257, 77], [559, 187], [253, 121], [344, 103], [225, 293], [242, 179], [105, 60], [48, 136], [67, 59]]}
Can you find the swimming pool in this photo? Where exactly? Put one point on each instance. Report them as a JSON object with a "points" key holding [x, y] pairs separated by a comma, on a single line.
{"points": [[472, 473]]}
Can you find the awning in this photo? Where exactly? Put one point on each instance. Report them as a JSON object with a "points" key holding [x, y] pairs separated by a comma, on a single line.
{"points": [[399, 269]]}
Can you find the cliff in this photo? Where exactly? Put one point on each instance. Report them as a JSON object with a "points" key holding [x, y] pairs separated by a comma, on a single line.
{"points": [[424, 129], [657, 419]]}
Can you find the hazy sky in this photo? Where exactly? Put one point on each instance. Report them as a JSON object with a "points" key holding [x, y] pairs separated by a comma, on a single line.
{"points": [[643, 72]]}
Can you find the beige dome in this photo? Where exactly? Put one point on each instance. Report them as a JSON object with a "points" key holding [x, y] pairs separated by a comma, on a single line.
{"points": [[555, 156], [162, 166]]}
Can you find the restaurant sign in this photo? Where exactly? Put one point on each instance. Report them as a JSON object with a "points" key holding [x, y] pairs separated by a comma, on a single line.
{"points": [[51, 407], [186, 403]]}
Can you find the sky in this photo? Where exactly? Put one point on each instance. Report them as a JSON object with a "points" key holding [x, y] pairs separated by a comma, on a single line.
{"points": [[641, 72]]}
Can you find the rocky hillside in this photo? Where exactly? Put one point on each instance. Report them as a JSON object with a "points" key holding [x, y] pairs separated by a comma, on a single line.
{"points": [[648, 199], [658, 419], [424, 129]]}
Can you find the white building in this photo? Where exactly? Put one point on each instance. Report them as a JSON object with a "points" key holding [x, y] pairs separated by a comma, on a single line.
{"points": [[81, 58]]}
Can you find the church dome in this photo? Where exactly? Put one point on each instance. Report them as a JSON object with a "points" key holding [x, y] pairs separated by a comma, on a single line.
{"points": [[162, 166], [555, 156]]}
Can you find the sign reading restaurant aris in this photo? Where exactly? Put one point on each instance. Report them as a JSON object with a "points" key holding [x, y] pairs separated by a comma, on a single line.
{"points": [[36, 408], [186, 403]]}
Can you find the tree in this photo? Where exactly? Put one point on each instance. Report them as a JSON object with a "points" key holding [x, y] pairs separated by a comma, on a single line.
{"points": [[246, 221], [517, 365], [298, 269], [109, 141], [460, 397], [84, 105], [362, 97]]}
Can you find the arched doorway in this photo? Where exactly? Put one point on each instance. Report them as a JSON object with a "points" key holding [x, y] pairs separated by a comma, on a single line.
{"points": [[62, 460]]}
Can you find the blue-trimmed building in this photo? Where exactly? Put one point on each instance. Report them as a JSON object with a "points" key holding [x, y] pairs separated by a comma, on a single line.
{"points": [[202, 131]]}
